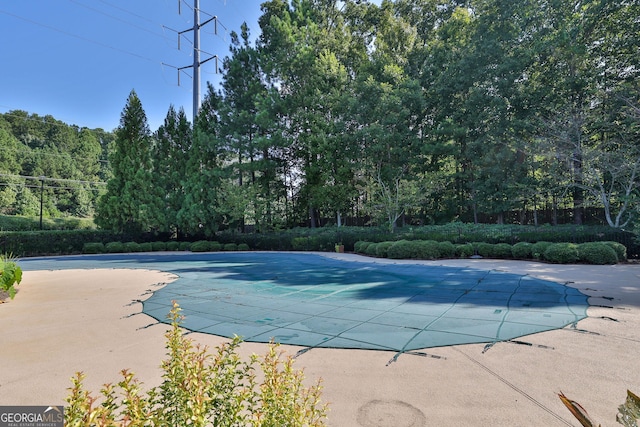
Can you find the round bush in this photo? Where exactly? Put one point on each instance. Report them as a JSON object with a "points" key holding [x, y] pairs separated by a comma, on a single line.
{"points": [[562, 253], [621, 250], [483, 249], [114, 247], [371, 249], [522, 250], [200, 246], [427, 249], [360, 246], [93, 248], [158, 246], [402, 249], [465, 250], [132, 247], [597, 253], [447, 249], [539, 248], [146, 247], [216, 246], [172, 245], [230, 247], [382, 248], [502, 251], [185, 246]]}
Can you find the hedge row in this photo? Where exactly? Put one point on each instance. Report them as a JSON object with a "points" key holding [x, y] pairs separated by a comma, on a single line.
{"points": [[558, 253], [199, 246]]}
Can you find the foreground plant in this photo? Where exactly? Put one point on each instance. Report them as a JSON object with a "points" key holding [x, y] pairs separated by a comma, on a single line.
{"points": [[203, 389], [10, 275], [628, 412]]}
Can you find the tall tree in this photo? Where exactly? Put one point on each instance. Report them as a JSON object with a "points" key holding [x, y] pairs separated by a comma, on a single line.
{"points": [[200, 214], [131, 204], [170, 157]]}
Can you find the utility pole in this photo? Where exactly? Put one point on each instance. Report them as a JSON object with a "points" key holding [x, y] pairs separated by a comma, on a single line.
{"points": [[196, 52]]}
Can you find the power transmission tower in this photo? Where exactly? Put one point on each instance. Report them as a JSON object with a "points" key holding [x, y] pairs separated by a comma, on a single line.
{"points": [[196, 52]]}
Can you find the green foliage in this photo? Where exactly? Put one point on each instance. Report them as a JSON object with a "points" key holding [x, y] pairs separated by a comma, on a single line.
{"points": [[10, 275], [185, 246], [32, 223], [230, 247], [621, 250], [539, 248], [562, 253], [146, 247], [203, 389], [402, 249], [36, 243], [132, 247], [215, 246], [502, 251], [158, 246], [360, 246], [200, 246], [243, 247], [427, 249], [114, 247], [172, 246], [371, 249], [483, 249], [93, 248], [465, 250], [597, 253], [522, 250], [382, 248], [447, 249]]}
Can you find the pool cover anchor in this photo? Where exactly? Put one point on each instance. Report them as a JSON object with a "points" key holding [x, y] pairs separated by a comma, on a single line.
{"points": [[519, 342], [414, 353]]}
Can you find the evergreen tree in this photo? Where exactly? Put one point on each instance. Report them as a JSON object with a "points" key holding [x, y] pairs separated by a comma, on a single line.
{"points": [[200, 211], [131, 204]]}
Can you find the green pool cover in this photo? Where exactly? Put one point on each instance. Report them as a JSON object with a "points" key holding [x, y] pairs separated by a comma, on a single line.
{"points": [[315, 301]]}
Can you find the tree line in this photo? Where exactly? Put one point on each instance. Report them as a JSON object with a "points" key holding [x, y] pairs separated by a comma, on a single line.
{"points": [[433, 110], [45, 160]]}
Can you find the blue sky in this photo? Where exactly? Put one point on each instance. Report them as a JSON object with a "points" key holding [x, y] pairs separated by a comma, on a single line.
{"points": [[79, 59]]}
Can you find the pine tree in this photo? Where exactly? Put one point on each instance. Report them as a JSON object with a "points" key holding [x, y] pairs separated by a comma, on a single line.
{"points": [[131, 204]]}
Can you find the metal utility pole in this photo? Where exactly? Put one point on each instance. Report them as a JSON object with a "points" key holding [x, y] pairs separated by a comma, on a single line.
{"points": [[196, 53], [196, 59]]}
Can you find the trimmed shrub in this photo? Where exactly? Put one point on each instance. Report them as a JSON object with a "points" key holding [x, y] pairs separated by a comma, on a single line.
{"points": [[621, 250], [93, 248], [402, 249], [465, 250], [158, 246], [215, 246], [200, 246], [114, 247], [132, 247], [522, 250], [146, 247], [185, 246], [382, 248], [483, 249], [562, 253], [360, 246], [230, 247], [300, 243], [243, 247], [447, 249], [427, 249], [371, 249], [597, 253], [172, 245], [539, 248], [502, 251]]}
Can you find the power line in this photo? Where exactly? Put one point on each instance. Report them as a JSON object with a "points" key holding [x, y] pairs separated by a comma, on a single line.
{"points": [[49, 27], [44, 178]]}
